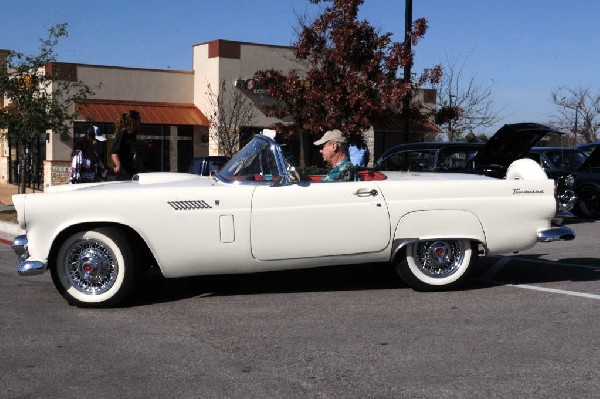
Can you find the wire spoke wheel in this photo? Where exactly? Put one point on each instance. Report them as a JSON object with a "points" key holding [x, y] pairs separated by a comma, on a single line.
{"points": [[95, 268], [91, 267], [435, 264], [438, 259]]}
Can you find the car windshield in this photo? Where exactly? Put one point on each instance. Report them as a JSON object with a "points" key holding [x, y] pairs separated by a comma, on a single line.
{"points": [[411, 160], [570, 160], [256, 162], [456, 158]]}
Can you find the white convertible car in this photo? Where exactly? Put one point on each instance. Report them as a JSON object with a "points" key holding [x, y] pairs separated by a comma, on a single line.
{"points": [[257, 214]]}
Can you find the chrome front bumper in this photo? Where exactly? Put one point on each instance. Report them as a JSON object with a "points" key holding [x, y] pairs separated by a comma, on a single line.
{"points": [[26, 266], [561, 233]]}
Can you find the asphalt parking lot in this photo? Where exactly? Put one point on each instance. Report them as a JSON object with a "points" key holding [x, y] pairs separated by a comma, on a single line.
{"points": [[526, 325]]}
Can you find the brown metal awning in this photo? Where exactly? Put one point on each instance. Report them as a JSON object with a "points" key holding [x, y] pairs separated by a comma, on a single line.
{"points": [[108, 111]]}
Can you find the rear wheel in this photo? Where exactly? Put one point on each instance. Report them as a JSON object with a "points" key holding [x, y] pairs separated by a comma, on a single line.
{"points": [[95, 268], [588, 204], [436, 264]]}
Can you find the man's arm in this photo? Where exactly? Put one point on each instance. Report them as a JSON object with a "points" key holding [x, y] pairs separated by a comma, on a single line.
{"points": [[117, 162], [114, 152]]}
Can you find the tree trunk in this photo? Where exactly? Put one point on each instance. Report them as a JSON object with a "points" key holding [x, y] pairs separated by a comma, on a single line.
{"points": [[21, 177], [23, 171]]}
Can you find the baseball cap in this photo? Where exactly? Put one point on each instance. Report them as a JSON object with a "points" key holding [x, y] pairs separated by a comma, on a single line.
{"points": [[332, 135], [95, 133]]}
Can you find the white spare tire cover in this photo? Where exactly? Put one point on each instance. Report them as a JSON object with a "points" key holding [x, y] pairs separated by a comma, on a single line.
{"points": [[525, 169]]}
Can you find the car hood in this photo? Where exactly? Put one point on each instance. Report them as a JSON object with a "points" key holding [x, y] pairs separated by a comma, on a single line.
{"points": [[141, 179], [509, 143]]}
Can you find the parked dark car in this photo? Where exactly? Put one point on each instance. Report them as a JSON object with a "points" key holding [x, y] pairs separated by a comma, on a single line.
{"points": [[588, 147], [203, 166], [558, 159], [582, 164], [428, 156], [587, 186]]}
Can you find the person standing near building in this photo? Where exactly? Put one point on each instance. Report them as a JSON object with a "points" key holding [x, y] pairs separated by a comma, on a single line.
{"points": [[122, 151], [359, 152], [83, 166], [95, 137]]}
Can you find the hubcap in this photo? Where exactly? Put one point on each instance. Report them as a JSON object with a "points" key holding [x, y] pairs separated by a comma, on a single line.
{"points": [[91, 267], [439, 259]]}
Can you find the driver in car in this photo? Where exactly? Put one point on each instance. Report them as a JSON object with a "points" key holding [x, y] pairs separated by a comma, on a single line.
{"points": [[334, 149]]}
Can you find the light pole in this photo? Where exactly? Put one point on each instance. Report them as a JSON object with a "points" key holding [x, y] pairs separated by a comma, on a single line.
{"points": [[576, 108], [576, 116], [407, 68], [450, 135]]}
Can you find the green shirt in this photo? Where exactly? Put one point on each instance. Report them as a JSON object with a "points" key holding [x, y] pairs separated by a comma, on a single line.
{"points": [[340, 172]]}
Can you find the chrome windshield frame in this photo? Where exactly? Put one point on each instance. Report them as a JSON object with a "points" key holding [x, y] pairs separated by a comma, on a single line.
{"points": [[278, 156]]}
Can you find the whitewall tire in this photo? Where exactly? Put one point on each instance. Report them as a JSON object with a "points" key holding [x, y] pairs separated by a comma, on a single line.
{"points": [[435, 264], [95, 268]]}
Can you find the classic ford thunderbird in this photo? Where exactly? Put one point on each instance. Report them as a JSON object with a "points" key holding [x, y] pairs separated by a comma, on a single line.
{"points": [[257, 214]]}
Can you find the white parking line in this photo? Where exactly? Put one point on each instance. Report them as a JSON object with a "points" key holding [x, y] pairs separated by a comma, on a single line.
{"points": [[557, 264], [554, 290], [503, 261]]}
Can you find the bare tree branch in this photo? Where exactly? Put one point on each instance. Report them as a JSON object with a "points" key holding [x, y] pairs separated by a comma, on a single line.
{"points": [[577, 112], [230, 111], [467, 106]]}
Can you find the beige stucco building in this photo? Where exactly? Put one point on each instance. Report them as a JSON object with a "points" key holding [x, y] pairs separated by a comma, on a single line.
{"points": [[174, 106]]}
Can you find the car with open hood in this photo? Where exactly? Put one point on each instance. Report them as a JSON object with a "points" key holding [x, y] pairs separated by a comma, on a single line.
{"points": [[256, 214]]}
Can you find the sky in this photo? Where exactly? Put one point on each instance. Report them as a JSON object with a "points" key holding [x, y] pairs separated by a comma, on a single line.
{"points": [[524, 49]]}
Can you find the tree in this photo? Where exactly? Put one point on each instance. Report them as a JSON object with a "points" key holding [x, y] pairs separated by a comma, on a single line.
{"points": [[37, 101], [352, 73], [229, 112], [466, 104], [578, 112]]}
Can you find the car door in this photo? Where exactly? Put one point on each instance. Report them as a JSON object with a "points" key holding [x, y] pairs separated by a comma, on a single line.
{"points": [[318, 219]]}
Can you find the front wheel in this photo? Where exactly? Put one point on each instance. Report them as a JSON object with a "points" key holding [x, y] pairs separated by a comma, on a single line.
{"points": [[95, 268], [436, 264]]}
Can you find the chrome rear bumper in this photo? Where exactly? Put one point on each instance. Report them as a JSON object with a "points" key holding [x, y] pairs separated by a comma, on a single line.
{"points": [[26, 266], [561, 233]]}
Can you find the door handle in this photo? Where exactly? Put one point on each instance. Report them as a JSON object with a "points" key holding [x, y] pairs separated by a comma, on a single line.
{"points": [[365, 192]]}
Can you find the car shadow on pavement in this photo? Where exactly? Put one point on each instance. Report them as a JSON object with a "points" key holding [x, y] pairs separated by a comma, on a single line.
{"points": [[374, 276], [155, 288], [534, 269]]}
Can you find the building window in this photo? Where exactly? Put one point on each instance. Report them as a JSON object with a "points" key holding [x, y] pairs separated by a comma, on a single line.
{"points": [[34, 169], [159, 148]]}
